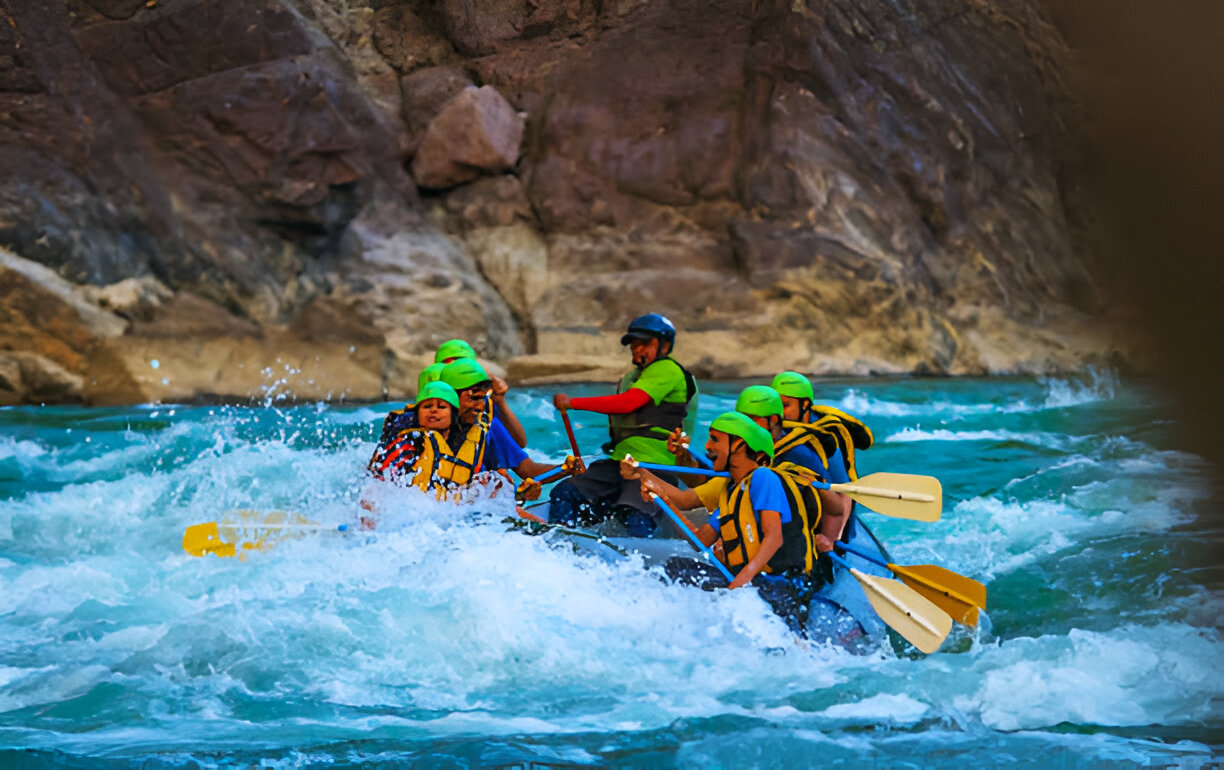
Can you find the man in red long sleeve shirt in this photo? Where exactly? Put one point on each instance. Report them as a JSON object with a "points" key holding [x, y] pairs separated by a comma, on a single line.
{"points": [[656, 397]]}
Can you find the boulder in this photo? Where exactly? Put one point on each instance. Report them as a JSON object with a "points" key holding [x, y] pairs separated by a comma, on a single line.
{"points": [[33, 379], [477, 132], [131, 298], [425, 92]]}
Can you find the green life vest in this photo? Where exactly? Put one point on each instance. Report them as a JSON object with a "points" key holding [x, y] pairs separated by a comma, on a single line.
{"points": [[654, 421]]}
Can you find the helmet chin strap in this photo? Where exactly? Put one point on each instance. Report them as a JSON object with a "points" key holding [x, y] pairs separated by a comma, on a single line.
{"points": [[731, 451]]}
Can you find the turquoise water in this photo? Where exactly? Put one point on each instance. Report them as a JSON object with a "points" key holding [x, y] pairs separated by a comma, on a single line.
{"points": [[436, 641]]}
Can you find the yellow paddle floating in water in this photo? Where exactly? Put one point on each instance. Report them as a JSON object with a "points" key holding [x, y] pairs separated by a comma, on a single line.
{"points": [[253, 531]]}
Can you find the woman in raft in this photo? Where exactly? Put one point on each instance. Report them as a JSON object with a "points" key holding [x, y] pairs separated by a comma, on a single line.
{"points": [[448, 448], [433, 455]]}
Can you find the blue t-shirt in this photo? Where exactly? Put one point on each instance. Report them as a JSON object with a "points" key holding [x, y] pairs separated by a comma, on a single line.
{"points": [[765, 492], [803, 455], [837, 469], [502, 451]]}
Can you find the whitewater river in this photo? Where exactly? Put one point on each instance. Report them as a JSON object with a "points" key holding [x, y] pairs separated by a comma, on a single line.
{"points": [[440, 642]]}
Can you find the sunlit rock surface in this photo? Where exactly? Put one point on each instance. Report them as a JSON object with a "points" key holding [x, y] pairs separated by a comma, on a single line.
{"points": [[305, 196]]}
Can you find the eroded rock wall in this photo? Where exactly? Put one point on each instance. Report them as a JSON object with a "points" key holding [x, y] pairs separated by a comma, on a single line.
{"points": [[311, 194]]}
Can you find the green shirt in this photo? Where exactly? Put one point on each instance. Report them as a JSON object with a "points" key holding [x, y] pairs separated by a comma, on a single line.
{"points": [[665, 383]]}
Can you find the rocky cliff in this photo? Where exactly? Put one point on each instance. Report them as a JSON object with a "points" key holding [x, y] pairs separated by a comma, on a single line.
{"points": [[227, 198]]}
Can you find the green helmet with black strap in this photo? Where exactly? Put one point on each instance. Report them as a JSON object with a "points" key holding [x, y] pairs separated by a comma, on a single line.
{"points": [[759, 401], [793, 385], [464, 373], [453, 349], [741, 426], [438, 390], [430, 374]]}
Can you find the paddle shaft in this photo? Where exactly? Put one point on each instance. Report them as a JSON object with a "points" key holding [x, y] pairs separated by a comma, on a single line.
{"points": [[546, 475], [709, 554], [569, 431], [329, 527], [892, 494], [862, 554]]}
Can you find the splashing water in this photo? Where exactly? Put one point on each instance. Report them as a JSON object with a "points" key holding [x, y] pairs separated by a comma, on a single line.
{"points": [[442, 638]]}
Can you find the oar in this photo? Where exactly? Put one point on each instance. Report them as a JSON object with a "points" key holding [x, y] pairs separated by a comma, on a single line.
{"points": [[702, 461], [536, 526], [900, 495], [203, 539], [543, 478], [906, 611], [955, 594], [569, 431], [709, 554]]}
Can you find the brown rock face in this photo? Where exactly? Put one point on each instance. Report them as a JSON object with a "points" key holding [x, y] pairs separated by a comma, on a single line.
{"points": [[476, 132], [824, 185]]}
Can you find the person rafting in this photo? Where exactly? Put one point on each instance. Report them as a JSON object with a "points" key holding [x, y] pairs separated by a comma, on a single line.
{"points": [[431, 373], [798, 443], [657, 396], [451, 351], [399, 420], [849, 432], [475, 390], [435, 454], [761, 518]]}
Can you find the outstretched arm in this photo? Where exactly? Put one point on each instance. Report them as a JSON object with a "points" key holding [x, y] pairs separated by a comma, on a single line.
{"points": [[621, 403], [508, 418]]}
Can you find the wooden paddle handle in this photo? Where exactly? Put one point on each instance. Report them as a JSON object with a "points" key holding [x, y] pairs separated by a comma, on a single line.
{"points": [[569, 431]]}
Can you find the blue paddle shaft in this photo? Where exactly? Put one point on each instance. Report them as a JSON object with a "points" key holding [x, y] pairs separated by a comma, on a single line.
{"points": [[838, 560], [862, 554], [704, 472], [709, 554], [683, 469]]}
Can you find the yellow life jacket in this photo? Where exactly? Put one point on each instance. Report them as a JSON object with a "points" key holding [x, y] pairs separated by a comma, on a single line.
{"points": [[740, 532], [423, 459], [797, 434], [850, 433]]}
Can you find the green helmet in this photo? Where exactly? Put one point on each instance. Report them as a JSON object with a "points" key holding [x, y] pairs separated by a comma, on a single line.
{"points": [[759, 401], [736, 424], [453, 349], [463, 373], [793, 384], [429, 374], [438, 390]]}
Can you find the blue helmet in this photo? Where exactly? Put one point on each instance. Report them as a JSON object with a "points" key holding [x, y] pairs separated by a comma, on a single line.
{"points": [[650, 325]]}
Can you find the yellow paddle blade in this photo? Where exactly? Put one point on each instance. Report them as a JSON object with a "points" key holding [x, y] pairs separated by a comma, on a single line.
{"points": [[932, 582], [203, 539], [900, 495], [252, 530], [919, 622]]}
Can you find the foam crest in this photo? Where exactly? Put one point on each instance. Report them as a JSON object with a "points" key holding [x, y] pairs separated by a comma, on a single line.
{"points": [[1096, 385], [1132, 676], [1047, 440]]}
